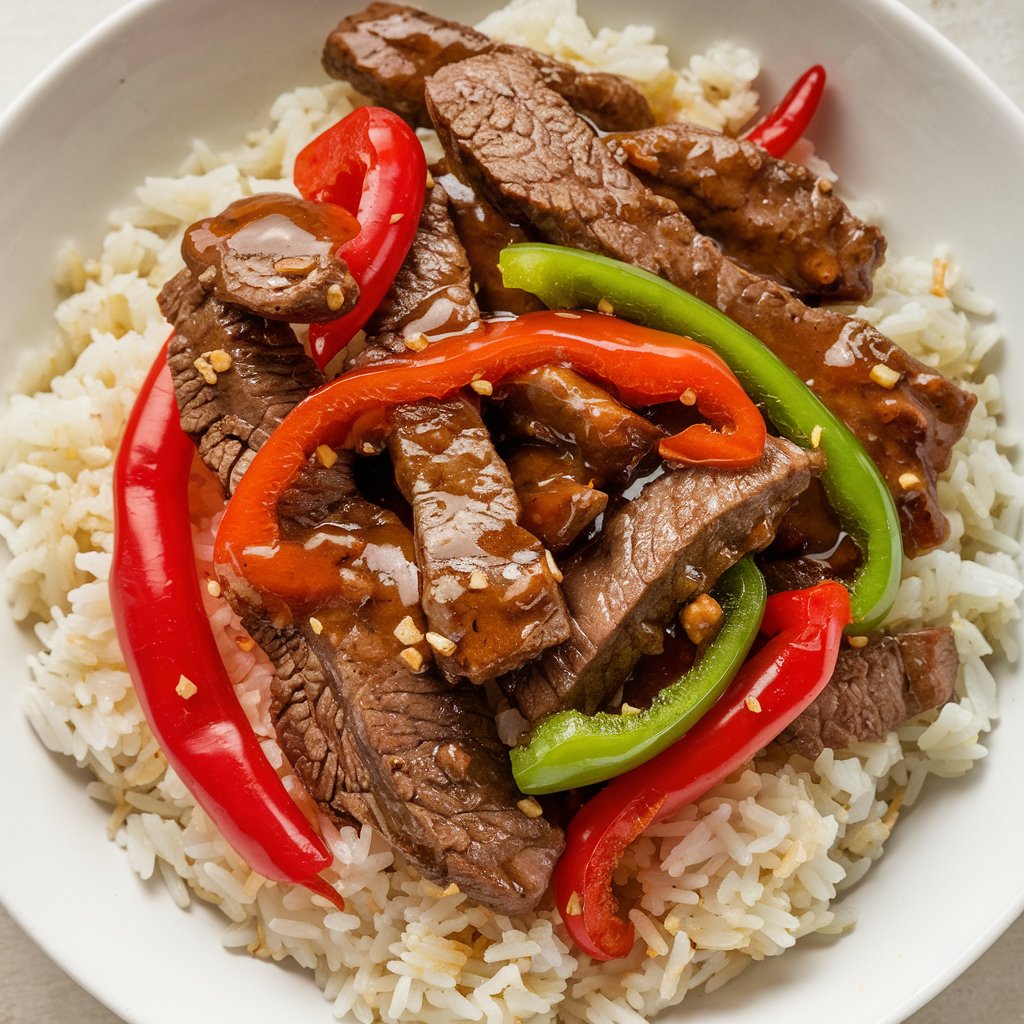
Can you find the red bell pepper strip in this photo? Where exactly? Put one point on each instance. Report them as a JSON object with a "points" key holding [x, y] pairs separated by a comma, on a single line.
{"points": [[173, 659], [644, 366], [772, 688], [372, 164], [782, 129]]}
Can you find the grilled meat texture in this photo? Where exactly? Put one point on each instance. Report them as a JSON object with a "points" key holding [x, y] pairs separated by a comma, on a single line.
{"points": [[670, 543], [532, 156], [876, 688], [770, 217], [388, 50]]}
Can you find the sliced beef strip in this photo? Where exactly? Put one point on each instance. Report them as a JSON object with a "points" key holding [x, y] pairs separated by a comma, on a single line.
{"points": [[772, 217], [274, 255], [557, 406], [557, 506], [876, 688], [535, 158], [465, 509], [371, 740], [488, 586], [484, 232], [670, 543], [388, 50], [432, 294]]}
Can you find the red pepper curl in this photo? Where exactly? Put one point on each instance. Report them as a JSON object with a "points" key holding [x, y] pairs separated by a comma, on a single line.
{"points": [[786, 123], [171, 654], [772, 689], [644, 366]]}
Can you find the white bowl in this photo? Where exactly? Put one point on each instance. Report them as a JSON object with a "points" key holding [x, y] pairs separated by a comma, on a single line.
{"points": [[907, 120]]}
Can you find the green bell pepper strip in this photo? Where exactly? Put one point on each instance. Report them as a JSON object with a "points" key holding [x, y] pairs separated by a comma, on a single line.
{"points": [[569, 278], [570, 749]]}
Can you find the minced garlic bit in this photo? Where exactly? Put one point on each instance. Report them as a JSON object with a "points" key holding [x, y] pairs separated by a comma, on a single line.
{"points": [[628, 710], [395, 218], [441, 644], [430, 180], [857, 641], [369, 448], [824, 186], [417, 344], [688, 397], [326, 455], [701, 618], [574, 905], [186, 689], [335, 297], [295, 266], [412, 658], [884, 376], [672, 924], [406, 632], [206, 277], [553, 566], [482, 387], [816, 436], [604, 306], [316, 625], [477, 580], [219, 360], [566, 315], [908, 481], [206, 371], [452, 890], [245, 643], [213, 588], [940, 268], [530, 807], [753, 704]]}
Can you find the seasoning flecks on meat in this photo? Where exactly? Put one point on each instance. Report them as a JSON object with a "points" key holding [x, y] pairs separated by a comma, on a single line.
{"points": [[388, 50], [488, 587], [558, 499], [491, 600], [275, 255], [772, 217], [670, 543], [534, 157], [432, 294], [371, 732], [876, 688]]}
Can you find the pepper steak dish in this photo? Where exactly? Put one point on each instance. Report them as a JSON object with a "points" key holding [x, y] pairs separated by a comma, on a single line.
{"points": [[578, 481]]}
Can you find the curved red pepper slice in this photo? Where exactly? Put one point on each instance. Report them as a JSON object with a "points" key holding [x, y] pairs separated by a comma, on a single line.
{"points": [[782, 129], [642, 365], [165, 635], [772, 688], [372, 164]]}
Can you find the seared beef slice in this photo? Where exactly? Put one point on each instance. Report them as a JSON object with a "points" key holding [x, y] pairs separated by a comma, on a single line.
{"points": [[488, 586], [876, 688], [388, 50], [771, 217], [372, 740], [671, 542], [534, 157]]}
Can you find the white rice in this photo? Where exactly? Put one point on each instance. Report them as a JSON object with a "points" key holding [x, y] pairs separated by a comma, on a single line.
{"points": [[739, 876]]}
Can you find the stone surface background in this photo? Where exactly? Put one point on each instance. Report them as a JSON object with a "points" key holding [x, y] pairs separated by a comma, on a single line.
{"points": [[33, 33]]}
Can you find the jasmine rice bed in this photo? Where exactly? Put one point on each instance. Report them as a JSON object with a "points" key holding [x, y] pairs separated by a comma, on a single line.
{"points": [[736, 878]]}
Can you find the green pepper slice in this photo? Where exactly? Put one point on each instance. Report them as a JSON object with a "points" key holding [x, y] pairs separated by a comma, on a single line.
{"points": [[569, 278], [571, 749]]}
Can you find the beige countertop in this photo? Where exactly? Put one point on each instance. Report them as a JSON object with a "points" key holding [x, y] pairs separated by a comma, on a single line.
{"points": [[34, 32]]}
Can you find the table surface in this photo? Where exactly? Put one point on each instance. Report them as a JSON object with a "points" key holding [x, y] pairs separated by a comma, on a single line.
{"points": [[34, 32]]}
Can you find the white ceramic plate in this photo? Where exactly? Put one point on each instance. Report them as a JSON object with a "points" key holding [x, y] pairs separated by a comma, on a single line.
{"points": [[907, 120]]}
